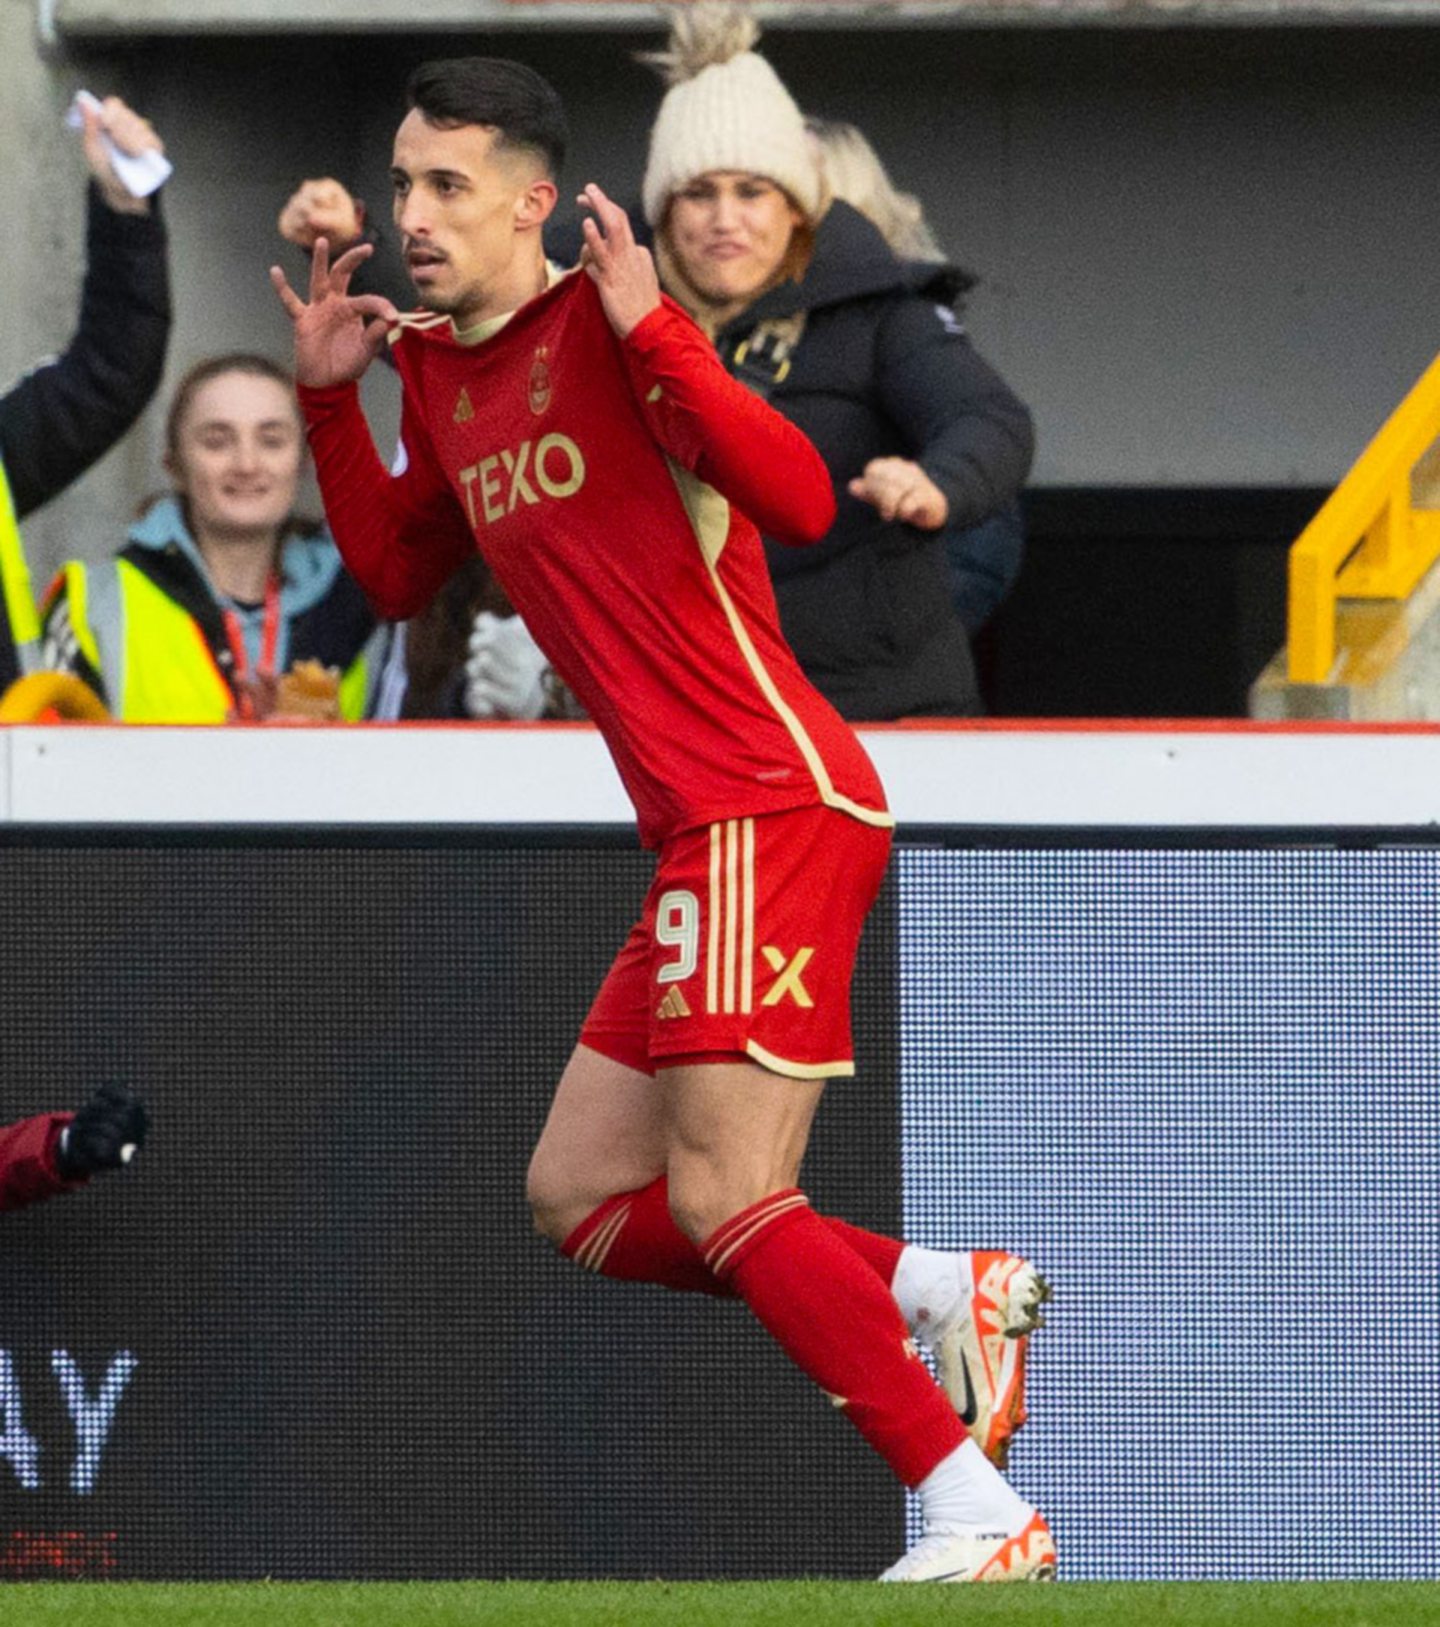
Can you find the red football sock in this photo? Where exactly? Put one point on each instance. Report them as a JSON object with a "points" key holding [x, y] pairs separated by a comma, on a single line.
{"points": [[881, 1254], [827, 1310], [633, 1238]]}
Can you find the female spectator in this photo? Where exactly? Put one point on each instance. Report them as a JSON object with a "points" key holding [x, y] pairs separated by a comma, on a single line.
{"points": [[219, 588], [982, 560], [810, 307]]}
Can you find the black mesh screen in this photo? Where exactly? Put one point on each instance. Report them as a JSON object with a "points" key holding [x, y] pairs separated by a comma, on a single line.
{"points": [[352, 1357]]}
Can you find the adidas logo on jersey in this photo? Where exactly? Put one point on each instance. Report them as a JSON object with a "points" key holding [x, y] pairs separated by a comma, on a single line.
{"points": [[673, 1005], [464, 411]]}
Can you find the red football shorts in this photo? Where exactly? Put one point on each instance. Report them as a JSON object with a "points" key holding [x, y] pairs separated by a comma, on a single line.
{"points": [[746, 946]]}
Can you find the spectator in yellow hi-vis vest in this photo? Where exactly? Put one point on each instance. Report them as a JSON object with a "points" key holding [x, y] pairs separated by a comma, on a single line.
{"points": [[220, 591]]}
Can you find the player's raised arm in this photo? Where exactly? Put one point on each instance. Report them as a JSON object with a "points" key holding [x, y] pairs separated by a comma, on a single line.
{"points": [[337, 334], [400, 536], [704, 419], [620, 268]]}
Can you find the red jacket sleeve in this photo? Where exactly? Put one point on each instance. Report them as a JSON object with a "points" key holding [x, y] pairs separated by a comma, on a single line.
{"points": [[401, 536], [27, 1160], [724, 433]]}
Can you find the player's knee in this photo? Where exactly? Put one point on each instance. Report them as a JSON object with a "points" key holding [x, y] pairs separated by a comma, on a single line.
{"points": [[702, 1199], [552, 1203]]}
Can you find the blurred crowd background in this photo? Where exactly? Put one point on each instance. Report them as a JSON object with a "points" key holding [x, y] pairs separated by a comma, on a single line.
{"points": [[1203, 249]]}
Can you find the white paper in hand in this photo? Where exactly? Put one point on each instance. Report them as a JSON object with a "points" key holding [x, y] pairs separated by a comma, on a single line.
{"points": [[140, 174]]}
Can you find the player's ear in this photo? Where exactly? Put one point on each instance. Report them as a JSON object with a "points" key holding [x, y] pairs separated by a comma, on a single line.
{"points": [[534, 203]]}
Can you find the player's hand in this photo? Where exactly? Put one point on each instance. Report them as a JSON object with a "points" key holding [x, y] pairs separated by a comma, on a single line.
{"points": [[505, 670], [623, 271], [901, 490], [338, 334], [322, 208], [131, 134], [106, 1133]]}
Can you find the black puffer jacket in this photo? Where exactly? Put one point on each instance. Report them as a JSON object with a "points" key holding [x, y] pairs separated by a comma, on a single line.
{"points": [[66, 413], [881, 368]]}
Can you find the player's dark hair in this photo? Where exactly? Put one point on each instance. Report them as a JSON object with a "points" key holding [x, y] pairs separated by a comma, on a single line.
{"points": [[505, 96]]}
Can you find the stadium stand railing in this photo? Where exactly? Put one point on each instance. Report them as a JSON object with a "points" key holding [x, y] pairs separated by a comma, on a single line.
{"points": [[1363, 630]]}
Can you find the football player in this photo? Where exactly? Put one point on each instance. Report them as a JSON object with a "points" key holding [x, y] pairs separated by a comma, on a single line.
{"points": [[581, 432]]}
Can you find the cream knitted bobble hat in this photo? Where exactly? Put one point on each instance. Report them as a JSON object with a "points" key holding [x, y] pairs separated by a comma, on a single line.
{"points": [[725, 110]]}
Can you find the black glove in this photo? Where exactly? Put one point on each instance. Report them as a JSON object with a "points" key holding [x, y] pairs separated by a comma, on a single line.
{"points": [[96, 1138]]}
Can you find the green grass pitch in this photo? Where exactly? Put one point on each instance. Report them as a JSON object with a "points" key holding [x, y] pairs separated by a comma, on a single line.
{"points": [[719, 1604]]}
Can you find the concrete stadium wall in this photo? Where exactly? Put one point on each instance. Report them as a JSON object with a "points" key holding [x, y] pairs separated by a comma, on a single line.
{"points": [[1208, 254]]}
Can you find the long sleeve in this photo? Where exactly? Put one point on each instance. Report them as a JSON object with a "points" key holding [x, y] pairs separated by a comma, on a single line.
{"points": [[65, 414], [971, 433], [722, 432], [28, 1171], [401, 535]]}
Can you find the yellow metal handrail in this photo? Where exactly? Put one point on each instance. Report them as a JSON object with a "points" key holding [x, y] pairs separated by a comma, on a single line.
{"points": [[1368, 541]]}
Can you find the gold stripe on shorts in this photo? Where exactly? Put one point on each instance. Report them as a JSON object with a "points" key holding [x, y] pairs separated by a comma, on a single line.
{"points": [[730, 981], [712, 953]]}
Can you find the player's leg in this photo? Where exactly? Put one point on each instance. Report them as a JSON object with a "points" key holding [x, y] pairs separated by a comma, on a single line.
{"points": [[593, 1184], [737, 1136], [589, 1192], [605, 1133], [762, 919], [596, 1184]]}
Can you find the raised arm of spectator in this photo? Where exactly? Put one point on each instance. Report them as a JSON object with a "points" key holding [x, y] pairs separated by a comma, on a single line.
{"points": [[324, 207], [65, 414], [706, 420]]}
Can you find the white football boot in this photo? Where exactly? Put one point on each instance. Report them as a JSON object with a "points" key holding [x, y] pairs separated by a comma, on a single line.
{"points": [[969, 1554], [979, 1338]]}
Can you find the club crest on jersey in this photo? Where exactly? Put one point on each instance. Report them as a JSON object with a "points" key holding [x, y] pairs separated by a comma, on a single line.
{"points": [[540, 380], [464, 412]]}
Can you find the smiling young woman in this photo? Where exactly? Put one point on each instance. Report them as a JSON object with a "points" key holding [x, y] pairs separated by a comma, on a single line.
{"points": [[220, 587]]}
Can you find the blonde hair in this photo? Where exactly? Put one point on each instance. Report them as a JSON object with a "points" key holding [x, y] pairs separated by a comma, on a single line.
{"points": [[852, 171]]}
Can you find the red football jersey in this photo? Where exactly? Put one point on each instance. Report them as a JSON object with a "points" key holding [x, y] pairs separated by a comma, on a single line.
{"points": [[615, 490]]}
